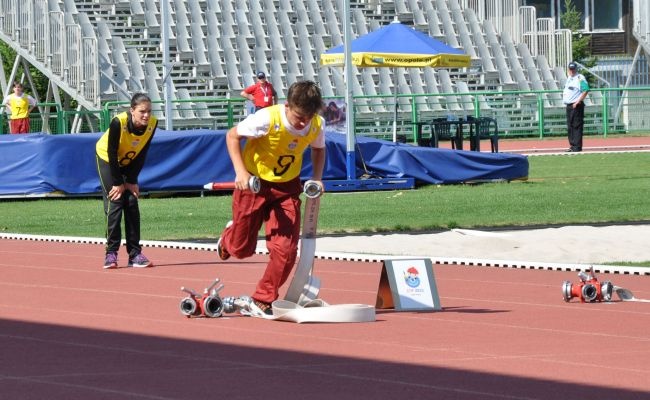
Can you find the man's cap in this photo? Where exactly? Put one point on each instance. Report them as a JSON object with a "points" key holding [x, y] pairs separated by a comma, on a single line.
{"points": [[261, 75], [573, 65]]}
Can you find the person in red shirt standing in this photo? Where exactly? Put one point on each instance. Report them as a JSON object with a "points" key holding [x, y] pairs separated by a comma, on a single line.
{"points": [[262, 93]]}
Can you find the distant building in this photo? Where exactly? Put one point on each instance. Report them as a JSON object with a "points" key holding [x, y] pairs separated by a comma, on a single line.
{"points": [[608, 22]]}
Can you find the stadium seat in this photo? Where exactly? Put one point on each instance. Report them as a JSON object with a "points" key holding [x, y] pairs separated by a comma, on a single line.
{"points": [[70, 7], [186, 110], [370, 89], [87, 29], [325, 83], [461, 27], [137, 71], [434, 24], [151, 15], [278, 83], [385, 81], [232, 67], [477, 36], [513, 61], [136, 7], [497, 51], [331, 20], [447, 87], [419, 19], [447, 24], [359, 20], [432, 87], [467, 101], [555, 98]]}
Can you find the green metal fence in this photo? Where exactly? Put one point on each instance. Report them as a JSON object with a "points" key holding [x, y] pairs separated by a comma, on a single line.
{"points": [[520, 114], [198, 113]]}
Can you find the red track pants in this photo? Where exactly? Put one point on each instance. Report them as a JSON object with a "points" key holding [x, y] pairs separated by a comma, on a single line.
{"points": [[277, 205]]}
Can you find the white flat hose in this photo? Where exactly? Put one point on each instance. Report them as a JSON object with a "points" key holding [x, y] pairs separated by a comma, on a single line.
{"points": [[627, 295], [319, 311], [301, 303]]}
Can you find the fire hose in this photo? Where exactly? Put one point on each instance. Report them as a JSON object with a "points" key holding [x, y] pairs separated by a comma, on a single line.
{"points": [[253, 185], [301, 303]]}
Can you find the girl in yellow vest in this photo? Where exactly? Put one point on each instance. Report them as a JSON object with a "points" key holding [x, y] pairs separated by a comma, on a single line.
{"points": [[121, 153], [276, 138], [19, 106]]}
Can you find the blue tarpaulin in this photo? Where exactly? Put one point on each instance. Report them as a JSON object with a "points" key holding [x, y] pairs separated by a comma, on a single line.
{"points": [[38, 164]]}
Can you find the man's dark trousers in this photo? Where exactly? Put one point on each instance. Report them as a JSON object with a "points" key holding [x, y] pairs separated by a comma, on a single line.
{"points": [[575, 120]]}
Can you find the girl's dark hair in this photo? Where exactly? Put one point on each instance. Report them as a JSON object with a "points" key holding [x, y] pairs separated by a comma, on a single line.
{"points": [[139, 98], [305, 96]]}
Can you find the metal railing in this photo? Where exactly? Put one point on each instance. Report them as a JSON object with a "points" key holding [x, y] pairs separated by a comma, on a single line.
{"points": [[56, 44], [520, 114], [198, 113]]}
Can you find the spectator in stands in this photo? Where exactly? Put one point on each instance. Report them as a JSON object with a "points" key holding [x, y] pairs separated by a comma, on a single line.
{"points": [[19, 105], [575, 91], [262, 93], [276, 138], [121, 153]]}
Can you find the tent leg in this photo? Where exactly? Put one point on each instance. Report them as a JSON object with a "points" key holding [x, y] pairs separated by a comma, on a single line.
{"points": [[395, 116], [350, 166]]}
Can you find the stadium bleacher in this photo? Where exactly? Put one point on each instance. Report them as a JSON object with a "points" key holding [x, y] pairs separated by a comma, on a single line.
{"points": [[218, 45]]}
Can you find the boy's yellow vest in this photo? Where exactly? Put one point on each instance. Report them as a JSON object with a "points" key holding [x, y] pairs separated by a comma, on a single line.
{"points": [[277, 156], [130, 145], [19, 106]]}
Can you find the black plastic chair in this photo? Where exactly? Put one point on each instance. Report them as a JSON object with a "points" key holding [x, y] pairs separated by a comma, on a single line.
{"points": [[441, 129], [419, 139], [485, 128]]}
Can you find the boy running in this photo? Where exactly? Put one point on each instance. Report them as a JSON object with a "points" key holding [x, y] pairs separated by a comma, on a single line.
{"points": [[276, 138]]}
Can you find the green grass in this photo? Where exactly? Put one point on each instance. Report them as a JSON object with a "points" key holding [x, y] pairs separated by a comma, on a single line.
{"points": [[585, 189]]}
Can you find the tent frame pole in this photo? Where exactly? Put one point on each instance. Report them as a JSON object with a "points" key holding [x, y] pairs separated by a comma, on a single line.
{"points": [[350, 159]]}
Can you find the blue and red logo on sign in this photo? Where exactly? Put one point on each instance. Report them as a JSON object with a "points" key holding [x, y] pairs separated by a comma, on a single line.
{"points": [[412, 277]]}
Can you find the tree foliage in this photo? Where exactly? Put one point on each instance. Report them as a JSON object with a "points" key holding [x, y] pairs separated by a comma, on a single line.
{"points": [[572, 20], [8, 57]]}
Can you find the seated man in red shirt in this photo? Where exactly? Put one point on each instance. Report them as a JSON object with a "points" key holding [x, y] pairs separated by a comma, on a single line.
{"points": [[262, 93]]}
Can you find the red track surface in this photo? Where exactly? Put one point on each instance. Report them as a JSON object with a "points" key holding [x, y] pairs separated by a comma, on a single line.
{"points": [[70, 330], [590, 144]]}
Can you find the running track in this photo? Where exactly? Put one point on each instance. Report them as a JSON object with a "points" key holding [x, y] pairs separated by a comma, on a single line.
{"points": [[70, 330]]}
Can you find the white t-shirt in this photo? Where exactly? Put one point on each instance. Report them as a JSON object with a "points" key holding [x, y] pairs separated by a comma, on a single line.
{"points": [[573, 88], [257, 125]]}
